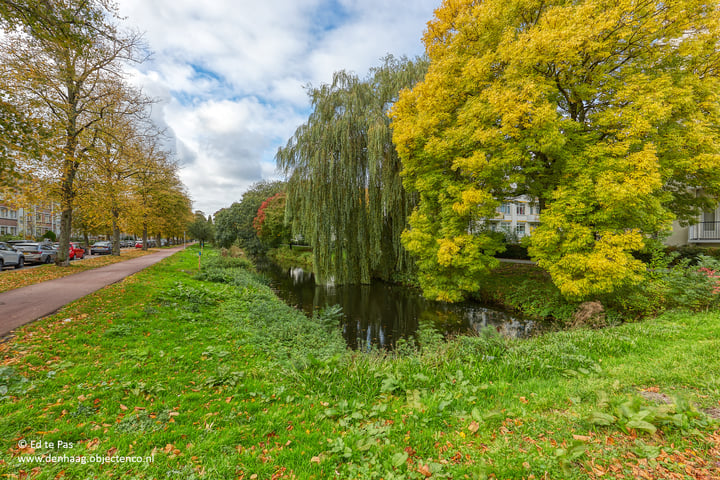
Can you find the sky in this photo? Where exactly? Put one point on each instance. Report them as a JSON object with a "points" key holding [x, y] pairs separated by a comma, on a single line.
{"points": [[230, 76]]}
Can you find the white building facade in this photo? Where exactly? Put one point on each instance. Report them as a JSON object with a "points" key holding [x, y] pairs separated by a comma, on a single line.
{"points": [[517, 217]]}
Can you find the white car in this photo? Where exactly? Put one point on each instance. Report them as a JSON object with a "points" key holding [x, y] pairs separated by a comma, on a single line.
{"points": [[37, 252], [10, 257]]}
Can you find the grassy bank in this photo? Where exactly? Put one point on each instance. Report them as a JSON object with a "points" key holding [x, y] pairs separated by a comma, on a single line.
{"points": [[211, 376]]}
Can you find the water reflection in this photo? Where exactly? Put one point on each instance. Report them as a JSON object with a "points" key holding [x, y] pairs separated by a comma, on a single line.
{"points": [[377, 315]]}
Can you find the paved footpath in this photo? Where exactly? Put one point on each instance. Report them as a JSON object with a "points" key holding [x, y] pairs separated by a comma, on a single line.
{"points": [[26, 304]]}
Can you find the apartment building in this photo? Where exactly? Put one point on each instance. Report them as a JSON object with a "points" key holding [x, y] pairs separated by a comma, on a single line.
{"points": [[8, 220], [30, 222], [517, 217], [705, 232]]}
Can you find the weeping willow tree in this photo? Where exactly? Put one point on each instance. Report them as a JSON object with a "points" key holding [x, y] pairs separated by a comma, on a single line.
{"points": [[345, 194]]}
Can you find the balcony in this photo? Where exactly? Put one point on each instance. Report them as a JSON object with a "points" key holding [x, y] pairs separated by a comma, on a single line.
{"points": [[705, 232]]}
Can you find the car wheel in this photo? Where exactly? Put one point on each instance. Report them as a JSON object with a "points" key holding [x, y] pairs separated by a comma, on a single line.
{"points": [[2, 264], [48, 260], [21, 263]]}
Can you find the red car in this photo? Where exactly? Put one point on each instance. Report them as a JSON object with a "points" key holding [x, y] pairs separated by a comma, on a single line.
{"points": [[76, 251]]}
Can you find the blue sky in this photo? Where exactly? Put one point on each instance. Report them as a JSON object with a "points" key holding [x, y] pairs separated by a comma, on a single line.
{"points": [[229, 75]]}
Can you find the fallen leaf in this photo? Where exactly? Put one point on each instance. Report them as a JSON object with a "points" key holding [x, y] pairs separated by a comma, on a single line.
{"points": [[425, 470]]}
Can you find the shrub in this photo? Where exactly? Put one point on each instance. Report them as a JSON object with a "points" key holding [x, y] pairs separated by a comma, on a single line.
{"points": [[693, 252], [694, 287], [540, 300], [514, 251]]}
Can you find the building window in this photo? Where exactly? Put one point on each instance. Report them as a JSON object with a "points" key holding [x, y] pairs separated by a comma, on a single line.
{"points": [[709, 221], [504, 208], [520, 230], [520, 208]]}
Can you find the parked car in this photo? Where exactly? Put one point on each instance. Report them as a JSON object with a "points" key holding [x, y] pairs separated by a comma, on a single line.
{"points": [[37, 252], [10, 257], [76, 251], [101, 248], [138, 244]]}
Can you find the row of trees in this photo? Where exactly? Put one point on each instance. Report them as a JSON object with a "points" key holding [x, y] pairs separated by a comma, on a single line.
{"points": [[74, 130]]}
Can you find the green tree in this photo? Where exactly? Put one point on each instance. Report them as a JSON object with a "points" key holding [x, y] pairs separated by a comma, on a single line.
{"points": [[606, 112], [345, 194], [201, 228], [235, 224], [227, 225]]}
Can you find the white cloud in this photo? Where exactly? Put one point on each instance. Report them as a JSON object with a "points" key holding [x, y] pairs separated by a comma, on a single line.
{"points": [[230, 75]]}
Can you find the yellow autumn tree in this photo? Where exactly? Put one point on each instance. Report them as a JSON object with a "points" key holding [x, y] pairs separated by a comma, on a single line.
{"points": [[606, 112], [62, 60]]}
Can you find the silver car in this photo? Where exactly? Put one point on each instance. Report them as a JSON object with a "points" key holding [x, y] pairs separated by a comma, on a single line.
{"points": [[37, 252], [10, 257]]}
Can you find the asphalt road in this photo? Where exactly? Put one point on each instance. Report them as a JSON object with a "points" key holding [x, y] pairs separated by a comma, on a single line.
{"points": [[27, 304]]}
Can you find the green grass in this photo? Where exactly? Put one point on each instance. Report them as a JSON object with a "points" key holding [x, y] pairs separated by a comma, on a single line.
{"points": [[214, 377]]}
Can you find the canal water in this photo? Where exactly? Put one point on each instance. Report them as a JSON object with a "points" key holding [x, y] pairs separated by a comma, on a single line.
{"points": [[379, 314]]}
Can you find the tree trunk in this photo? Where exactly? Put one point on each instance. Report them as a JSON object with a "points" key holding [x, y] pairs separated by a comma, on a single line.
{"points": [[67, 195], [145, 237], [116, 239], [63, 259], [116, 232], [67, 192]]}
